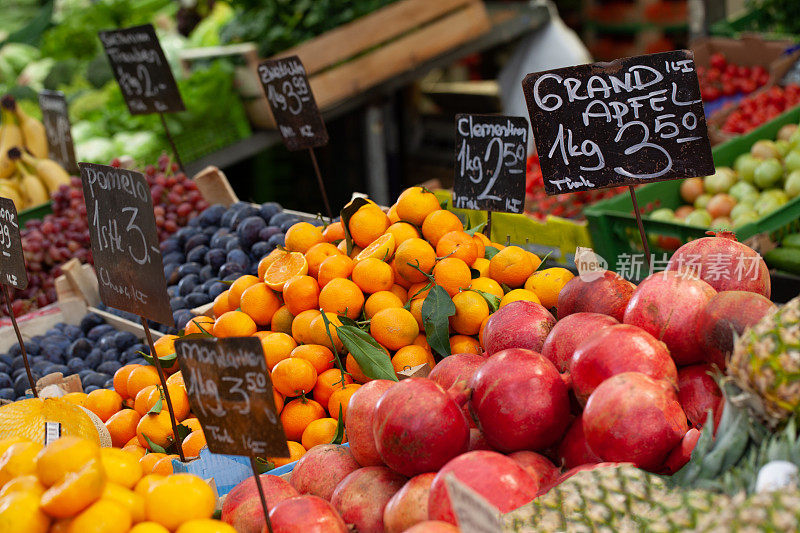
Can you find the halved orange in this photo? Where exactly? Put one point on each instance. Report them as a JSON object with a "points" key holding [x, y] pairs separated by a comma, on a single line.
{"points": [[381, 248], [284, 268]]}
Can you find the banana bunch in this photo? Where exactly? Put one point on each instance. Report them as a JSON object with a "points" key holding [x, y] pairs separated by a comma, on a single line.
{"points": [[27, 176]]}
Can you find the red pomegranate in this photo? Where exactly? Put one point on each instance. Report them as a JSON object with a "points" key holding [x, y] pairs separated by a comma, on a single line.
{"points": [[309, 514], [358, 423], [418, 427], [519, 324], [321, 468], [540, 467], [682, 453], [724, 263], [573, 450], [698, 392], [607, 295], [667, 305], [569, 332], [634, 418], [361, 497], [456, 367], [617, 349], [725, 317], [495, 477], [520, 401]]}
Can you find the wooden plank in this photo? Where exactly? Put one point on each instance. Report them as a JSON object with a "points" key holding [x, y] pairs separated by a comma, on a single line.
{"points": [[362, 73], [215, 187], [122, 324], [368, 31]]}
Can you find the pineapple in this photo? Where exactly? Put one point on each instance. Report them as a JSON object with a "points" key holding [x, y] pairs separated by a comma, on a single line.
{"points": [[766, 366]]}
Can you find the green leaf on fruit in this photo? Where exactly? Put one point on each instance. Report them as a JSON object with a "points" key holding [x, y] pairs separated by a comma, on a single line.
{"points": [[182, 432], [548, 254], [263, 466], [202, 334], [157, 407], [347, 321], [346, 214], [166, 361], [491, 299], [369, 355], [155, 448], [472, 231], [443, 204], [339, 437], [491, 251], [437, 309], [227, 282]]}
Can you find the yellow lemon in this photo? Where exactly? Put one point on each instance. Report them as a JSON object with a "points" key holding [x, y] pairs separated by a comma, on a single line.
{"points": [[76, 491], [62, 456], [103, 516], [121, 467], [20, 513], [178, 499], [133, 502], [18, 460], [205, 525]]}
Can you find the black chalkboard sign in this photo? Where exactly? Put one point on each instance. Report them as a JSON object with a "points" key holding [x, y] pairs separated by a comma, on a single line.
{"points": [[292, 102], [122, 230], [491, 152], [141, 70], [230, 391], [55, 118], [12, 260], [634, 120]]}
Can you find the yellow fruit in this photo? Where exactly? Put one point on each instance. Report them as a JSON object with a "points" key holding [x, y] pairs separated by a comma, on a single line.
{"points": [[178, 499], [148, 527], [28, 482], [367, 224], [133, 502], [296, 451], [465, 344], [33, 133], [76, 491], [402, 231], [416, 203], [487, 285], [394, 328], [547, 283], [381, 248], [343, 297], [412, 256], [511, 265], [20, 513], [103, 516], [373, 275], [63, 456], [302, 236], [410, 356], [381, 300], [26, 418], [471, 311], [147, 482], [519, 294], [453, 275], [285, 268], [205, 525], [18, 460], [481, 264], [320, 431], [121, 467], [318, 332], [439, 223], [78, 398]]}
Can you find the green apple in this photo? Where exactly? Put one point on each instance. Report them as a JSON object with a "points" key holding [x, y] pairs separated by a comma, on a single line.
{"points": [[764, 149], [746, 165], [768, 173], [722, 180], [794, 140], [782, 147], [766, 205], [698, 217], [702, 201], [786, 132], [792, 160], [664, 214], [792, 184], [742, 190], [741, 207], [745, 218]]}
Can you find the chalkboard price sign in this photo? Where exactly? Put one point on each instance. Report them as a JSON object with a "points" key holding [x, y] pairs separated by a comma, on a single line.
{"points": [[122, 230], [12, 261], [57, 127], [230, 391], [141, 70], [491, 152], [292, 102], [635, 120]]}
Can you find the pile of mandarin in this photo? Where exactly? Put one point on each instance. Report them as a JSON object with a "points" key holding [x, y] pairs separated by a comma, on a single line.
{"points": [[382, 282]]}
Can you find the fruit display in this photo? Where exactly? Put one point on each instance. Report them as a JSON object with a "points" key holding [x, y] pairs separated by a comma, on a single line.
{"points": [[93, 350], [757, 109], [64, 234], [27, 176], [723, 78], [760, 182], [216, 248]]}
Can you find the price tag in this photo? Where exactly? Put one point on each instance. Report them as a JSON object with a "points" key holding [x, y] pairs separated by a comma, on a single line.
{"points": [[230, 391], [292, 102], [491, 152], [122, 230], [141, 70], [57, 127], [12, 260], [634, 120]]}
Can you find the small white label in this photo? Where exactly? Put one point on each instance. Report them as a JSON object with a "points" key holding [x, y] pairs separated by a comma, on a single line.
{"points": [[52, 432], [473, 513], [590, 265]]}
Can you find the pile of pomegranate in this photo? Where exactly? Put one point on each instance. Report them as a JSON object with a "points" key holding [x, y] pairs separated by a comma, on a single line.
{"points": [[622, 374]]}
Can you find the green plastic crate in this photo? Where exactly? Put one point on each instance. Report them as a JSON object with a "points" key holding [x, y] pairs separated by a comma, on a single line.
{"points": [[34, 213], [612, 224]]}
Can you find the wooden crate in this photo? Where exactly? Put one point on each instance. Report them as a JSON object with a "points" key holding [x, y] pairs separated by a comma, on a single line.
{"points": [[359, 55]]}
